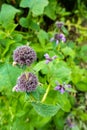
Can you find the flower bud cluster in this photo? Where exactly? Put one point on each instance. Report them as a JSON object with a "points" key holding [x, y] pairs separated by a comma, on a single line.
{"points": [[24, 55], [27, 82]]}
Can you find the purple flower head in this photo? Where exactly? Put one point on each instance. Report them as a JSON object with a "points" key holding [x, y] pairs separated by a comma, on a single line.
{"points": [[27, 82], [59, 24], [24, 55], [48, 58]]}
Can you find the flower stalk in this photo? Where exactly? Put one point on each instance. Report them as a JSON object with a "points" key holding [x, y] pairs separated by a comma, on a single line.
{"points": [[46, 93]]}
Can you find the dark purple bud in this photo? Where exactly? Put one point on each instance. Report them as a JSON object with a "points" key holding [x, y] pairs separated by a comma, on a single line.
{"points": [[59, 24], [56, 37], [27, 82], [24, 55]]}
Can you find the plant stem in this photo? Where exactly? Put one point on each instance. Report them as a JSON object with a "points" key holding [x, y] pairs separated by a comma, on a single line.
{"points": [[46, 93]]}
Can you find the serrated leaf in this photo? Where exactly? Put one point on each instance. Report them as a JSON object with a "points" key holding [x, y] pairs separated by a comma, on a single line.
{"points": [[45, 110], [62, 72], [36, 6], [7, 14]]}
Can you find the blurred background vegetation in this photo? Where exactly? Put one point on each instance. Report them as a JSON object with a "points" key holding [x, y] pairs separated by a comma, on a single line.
{"points": [[34, 24]]}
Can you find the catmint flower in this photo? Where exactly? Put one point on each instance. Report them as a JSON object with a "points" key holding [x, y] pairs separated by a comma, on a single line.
{"points": [[24, 55], [59, 24], [48, 58], [70, 123], [62, 88], [58, 38], [27, 82]]}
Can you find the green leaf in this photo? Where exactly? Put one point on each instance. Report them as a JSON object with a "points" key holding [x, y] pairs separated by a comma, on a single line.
{"points": [[7, 14], [50, 10], [36, 6], [45, 110], [28, 23], [62, 72], [42, 36], [65, 30], [68, 52], [63, 101], [38, 93], [8, 76], [75, 128], [8, 44], [39, 66], [83, 52], [82, 86]]}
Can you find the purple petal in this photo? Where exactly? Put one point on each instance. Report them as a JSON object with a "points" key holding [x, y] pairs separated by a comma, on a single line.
{"points": [[57, 42], [63, 39], [57, 87], [46, 56], [62, 90], [61, 35]]}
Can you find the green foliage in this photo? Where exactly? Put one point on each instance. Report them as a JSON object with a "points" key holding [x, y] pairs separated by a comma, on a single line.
{"points": [[7, 14], [32, 23], [36, 6], [45, 110], [8, 76]]}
